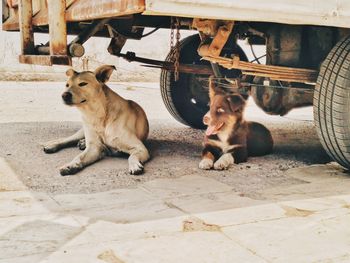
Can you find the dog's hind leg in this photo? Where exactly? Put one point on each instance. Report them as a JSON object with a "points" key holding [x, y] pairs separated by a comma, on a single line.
{"points": [[91, 154], [56, 145], [114, 153]]}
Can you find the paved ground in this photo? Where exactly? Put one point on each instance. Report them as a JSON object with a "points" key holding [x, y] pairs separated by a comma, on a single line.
{"points": [[291, 206]]}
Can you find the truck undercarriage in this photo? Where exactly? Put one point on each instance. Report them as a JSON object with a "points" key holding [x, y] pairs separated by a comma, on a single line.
{"points": [[295, 54]]}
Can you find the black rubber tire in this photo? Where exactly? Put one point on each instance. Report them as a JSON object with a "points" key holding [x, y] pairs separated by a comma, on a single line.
{"points": [[332, 103], [179, 96]]}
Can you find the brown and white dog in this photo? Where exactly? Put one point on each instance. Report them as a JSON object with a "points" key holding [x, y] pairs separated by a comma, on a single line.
{"points": [[229, 138], [111, 124]]}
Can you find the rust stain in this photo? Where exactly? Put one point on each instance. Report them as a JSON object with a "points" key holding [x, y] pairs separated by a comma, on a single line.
{"points": [[296, 212], [58, 48], [45, 60], [58, 29], [196, 224], [109, 257], [89, 9], [80, 10]]}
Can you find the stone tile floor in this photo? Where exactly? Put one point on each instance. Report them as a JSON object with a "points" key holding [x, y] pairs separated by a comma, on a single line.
{"points": [[188, 219]]}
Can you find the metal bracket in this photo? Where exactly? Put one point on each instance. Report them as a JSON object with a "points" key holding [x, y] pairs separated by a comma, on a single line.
{"points": [[219, 30], [117, 41]]}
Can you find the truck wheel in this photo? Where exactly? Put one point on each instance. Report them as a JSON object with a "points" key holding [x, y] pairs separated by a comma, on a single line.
{"points": [[187, 99], [332, 103]]}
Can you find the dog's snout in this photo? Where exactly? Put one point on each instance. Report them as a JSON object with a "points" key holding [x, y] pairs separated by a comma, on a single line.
{"points": [[206, 119], [67, 97]]}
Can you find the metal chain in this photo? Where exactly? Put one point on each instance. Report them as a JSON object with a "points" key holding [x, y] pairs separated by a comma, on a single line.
{"points": [[172, 33], [177, 49]]}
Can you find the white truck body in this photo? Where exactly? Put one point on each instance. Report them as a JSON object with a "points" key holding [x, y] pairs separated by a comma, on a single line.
{"points": [[312, 12]]}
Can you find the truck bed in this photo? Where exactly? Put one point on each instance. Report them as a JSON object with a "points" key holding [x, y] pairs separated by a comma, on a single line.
{"points": [[77, 10], [314, 12]]}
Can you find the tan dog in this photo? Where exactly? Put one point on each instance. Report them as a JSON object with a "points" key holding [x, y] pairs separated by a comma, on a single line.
{"points": [[111, 124], [229, 138]]}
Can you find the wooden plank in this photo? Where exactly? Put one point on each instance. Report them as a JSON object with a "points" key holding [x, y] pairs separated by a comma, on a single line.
{"points": [[25, 25], [45, 60], [92, 9], [57, 27]]}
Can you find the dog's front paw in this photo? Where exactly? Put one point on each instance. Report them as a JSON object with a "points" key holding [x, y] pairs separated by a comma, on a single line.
{"points": [[51, 147], [70, 169], [82, 144], [206, 164], [135, 166], [224, 162]]}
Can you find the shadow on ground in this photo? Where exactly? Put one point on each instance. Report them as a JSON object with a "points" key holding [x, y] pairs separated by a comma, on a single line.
{"points": [[175, 152]]}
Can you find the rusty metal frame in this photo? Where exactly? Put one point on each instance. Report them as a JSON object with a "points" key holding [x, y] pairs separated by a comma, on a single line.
{"points": [[167, 65], [273, 72], [79, 10], [219, 30], [214, 36], [269, 71], [57, 27], [56, 14], [75, 47], [45, 60], [25, 25], [57, 33]]}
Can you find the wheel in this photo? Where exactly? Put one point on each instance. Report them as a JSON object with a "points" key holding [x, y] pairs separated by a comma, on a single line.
{"points": [[187, 99], [332, 103]]}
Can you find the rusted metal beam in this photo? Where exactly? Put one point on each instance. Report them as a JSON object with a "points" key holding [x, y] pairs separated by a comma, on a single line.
{"points": [[208, 27], [269, 71], [185, 68], [45, 60], [57, 27], [190, 68], [220, 32], [90, 31], [81, 10], [91, 9], [220, 38], [26, 29], [76, 48], [116, 44], [43, 50]]}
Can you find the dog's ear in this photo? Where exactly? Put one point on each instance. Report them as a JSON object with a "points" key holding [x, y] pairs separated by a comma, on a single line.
{"points": [[71, 72], [103, 73], [236, 102], [213, 90], [211, 87]]}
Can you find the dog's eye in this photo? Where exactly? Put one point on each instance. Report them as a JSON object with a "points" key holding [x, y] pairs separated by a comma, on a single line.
{"points": [[82, 84], [220, 110], [67, 85]]}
